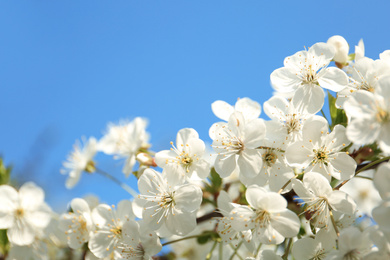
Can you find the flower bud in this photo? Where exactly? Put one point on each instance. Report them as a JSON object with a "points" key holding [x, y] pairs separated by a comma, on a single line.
{"points": [[146, 159], [341, 48]]}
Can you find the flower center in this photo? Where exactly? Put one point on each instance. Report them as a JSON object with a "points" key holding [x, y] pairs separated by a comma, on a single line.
{"points": [[19, 213], [90, 167], [262, 218], [321, 156], [270, 158], [117, 231], [382, 116], [167, 201], [310, 76], [292, 124]]}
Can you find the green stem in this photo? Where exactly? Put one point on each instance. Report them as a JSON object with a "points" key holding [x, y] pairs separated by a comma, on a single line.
{"points": [[334, 223], [124, 186], [220, 251], [235, 250], [287, 250], [181, 239], [258, 249], [209, 255], [286, 184]]}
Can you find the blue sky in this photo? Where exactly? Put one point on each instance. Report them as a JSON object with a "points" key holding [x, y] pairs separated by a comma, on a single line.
{"points": [[67, 68]]}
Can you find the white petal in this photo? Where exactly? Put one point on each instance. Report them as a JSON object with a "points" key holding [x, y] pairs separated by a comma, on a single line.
{"points": [[382, 180], [323, 50], [225, 166], [99, 244], [184, 135], [150, 180], [202, 168], [222, 110], [285, 79], [313, 95], [363, 131], [101, 215], [125, 210], [317, 183], [188, 198], [9, 200], [276, 108], [253, 194], [249, 108], [31, 196], [223, 202], [254, 133], [342, 202], [163, 157], [22, 234], [150, 242], [80, 206], [344, 165], [181, 223], [333, 79], [272, 202], [250, 163], [286, 223]]}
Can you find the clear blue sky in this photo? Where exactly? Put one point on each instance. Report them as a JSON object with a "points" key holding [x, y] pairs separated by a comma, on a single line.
{"points": [[67, 68]]}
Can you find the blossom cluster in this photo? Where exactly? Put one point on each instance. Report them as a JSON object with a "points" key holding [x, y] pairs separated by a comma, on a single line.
{"points": [[311, 182]]}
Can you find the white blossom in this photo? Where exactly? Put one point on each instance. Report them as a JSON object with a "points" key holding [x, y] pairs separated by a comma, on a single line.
{"points": [[306, 72], [23, 213], [77, 224], [268, 217], [125, 140], [236, 143], [320, 151], [80, 160], [316, 192], [369, 116], [185, 158], [171, 206]]}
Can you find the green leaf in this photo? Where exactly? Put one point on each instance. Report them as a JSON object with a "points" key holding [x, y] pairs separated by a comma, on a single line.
{"points": [[5, 173], [206, 236], [351, 56], [4, 244], [215, 179], [337, 116]]}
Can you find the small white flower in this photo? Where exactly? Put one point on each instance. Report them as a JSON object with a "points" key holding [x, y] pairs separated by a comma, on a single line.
{"points": [[113, 228], [291, 116], [353, 244], [171, 206], [308, 248], [341, 48], [268, 217], [185, 159], [125, 140], [236, 144], [320, 199], [144, 243], [23, 213], [79, 160], [250, 109], [369, 115], [77, 224], [320, 151], [365, 74], [306, 72]]}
